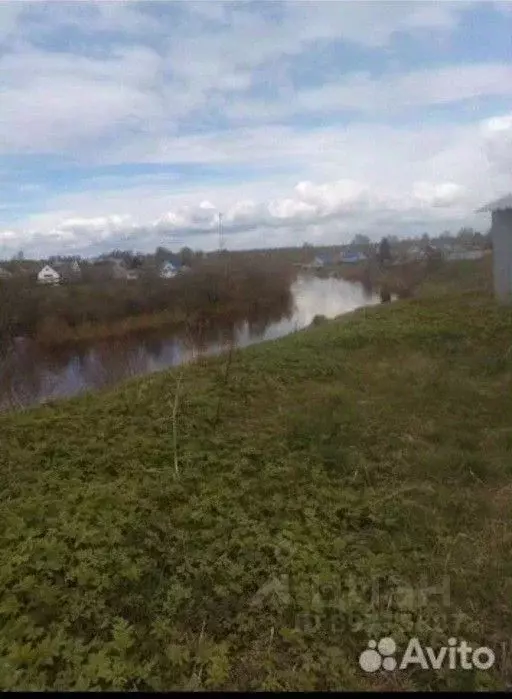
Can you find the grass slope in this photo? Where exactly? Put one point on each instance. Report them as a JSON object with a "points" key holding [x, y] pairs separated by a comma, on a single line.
{"points": [[372, 450]]}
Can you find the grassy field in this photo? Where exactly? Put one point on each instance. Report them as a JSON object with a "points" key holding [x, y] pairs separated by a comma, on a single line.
{"points": [[260, 539], [406, 278]]}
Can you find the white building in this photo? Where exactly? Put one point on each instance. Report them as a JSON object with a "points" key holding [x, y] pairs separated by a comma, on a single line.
{"points": [[48, 276], [168, 271], [352, 257], [501, 235]]}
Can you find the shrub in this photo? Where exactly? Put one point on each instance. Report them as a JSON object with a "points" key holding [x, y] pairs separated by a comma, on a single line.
{"points": [[221, 287]]}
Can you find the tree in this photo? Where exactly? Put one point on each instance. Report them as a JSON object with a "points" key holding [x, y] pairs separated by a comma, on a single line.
{"points": [[135, 262], [434, 257], [186, 256], [360, 240], [162, 254], [116, 254], [384, 251], [479, 239], [466, 235]]}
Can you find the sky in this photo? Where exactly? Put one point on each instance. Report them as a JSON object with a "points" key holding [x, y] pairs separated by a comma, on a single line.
{"points": [[134, 124]]}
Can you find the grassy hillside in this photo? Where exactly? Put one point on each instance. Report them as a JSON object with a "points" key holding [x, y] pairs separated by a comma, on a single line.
{"points": [[371, 452]]}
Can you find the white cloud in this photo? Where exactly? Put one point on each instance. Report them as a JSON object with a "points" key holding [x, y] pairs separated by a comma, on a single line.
{"points": [[10, 237], [119, 110], [56, 102], [368, 179], [245, 38], [497, 135], [444, 194], [132, 98], [389, 95], [504, 6], [10, 13], [291, 209], [332, 197], [102, 226], [160, 89]]}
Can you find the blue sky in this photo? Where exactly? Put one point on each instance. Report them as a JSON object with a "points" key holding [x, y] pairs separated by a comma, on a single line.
{"points": [[137, 122]]}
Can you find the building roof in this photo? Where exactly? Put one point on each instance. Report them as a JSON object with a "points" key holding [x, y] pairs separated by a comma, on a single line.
{"points": [[498, 205], [48, 270], [353, 253]]}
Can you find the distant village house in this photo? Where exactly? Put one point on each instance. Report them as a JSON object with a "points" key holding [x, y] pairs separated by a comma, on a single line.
{"points": [[352, 258], [48, 276], [168, 270], [319, 261]]}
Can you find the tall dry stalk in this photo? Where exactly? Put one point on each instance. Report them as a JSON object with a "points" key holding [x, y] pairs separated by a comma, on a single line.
{"points": [[175, 425], [225, 378], [224, 383]]}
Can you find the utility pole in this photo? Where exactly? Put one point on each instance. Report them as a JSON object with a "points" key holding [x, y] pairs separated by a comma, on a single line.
{"points": [[221, 234]]}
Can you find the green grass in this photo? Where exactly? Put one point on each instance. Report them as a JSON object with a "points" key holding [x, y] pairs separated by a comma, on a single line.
{"points": [[376, 449]]}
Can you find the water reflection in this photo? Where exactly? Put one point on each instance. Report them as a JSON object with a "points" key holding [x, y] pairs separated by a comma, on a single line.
{"points": [[28, 376]]}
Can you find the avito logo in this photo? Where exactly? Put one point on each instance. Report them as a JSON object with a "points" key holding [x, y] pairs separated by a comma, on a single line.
{"points": [[456, 655]]}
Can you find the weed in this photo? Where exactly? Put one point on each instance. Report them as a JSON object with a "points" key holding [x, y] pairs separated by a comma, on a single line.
{"points": [[351, 461]]}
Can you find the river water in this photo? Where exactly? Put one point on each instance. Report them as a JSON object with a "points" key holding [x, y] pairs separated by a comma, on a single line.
{"points": [[30, 376]]}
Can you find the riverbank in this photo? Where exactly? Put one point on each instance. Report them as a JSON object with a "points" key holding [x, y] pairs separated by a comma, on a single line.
{"points": [[31, 373], [74, 313], [194, 326], [298, 477], [411, 278]]}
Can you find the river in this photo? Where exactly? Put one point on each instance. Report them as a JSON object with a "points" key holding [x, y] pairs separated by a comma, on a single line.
{"points": [[29, 376]]}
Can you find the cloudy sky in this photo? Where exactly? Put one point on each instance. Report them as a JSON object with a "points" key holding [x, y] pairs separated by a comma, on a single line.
{"points": [[133, 124]]}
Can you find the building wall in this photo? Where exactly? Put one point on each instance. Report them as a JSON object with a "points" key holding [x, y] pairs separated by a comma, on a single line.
{"points": [[465, 255], [501, 233]]}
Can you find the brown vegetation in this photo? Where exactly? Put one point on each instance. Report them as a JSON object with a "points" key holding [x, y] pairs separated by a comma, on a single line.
{"points": [[221, 288], [402, 279]]}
